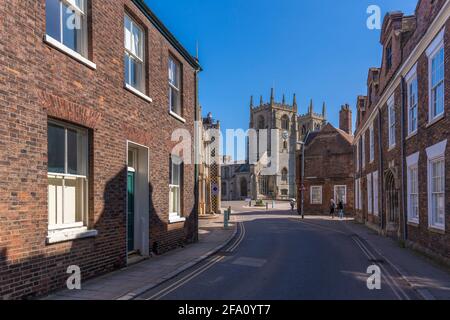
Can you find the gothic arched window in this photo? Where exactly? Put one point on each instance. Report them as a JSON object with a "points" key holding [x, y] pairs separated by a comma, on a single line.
{"points": [[261, 122], [285, 123], [303, 130], [284, 174]]}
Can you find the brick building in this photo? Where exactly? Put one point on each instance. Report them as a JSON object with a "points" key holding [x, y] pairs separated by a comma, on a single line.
{"points": [[401, 174], [328, 171], [90, 93]]}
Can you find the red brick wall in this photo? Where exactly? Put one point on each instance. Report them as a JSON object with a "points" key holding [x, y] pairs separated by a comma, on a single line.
{"points": [[328, 162], [421, 235], [38, 82]]}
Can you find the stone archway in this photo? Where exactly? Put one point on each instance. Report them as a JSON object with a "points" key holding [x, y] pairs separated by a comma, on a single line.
{"points": [[244, 188], [392, 191]]}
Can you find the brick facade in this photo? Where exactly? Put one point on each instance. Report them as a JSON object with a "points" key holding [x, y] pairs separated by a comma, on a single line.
{"points": [[410, 37], [38, 83], [328, 163]]}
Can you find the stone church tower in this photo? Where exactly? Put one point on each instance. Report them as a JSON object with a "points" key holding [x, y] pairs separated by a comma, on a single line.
{"points": [[292, 127]]}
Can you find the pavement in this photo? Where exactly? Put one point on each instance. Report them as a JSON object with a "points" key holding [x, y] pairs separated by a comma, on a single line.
{"points": [[132, 281], [429, 279]]}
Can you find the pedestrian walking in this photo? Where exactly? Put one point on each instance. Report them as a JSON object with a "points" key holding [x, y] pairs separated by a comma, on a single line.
{"points": [[292, 204], [332, 208], [341, 209]]}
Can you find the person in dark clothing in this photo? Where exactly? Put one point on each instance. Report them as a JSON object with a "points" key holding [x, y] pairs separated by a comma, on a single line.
{"points": [[341, 209], [332, 208]]}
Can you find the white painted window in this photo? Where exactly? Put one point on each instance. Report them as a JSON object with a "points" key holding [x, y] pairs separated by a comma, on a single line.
{"points": [[176, 176], [363, 150], [340, 193], [372, 144], [369, 194], [176, 169], [66, 23], [412, 178], [357, 155], [436, 67], [436, 185], [375, 192], [316, 195], [411, 82], [134, 55], [67, 176], [391, 122], [175, 86]]}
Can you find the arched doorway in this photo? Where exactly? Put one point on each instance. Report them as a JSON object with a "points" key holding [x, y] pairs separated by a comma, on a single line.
{"points": [[392, 204], [243, 185]]}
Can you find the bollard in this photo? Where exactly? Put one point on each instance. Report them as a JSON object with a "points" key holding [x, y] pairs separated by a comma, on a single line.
{"points": [[267, 206], [226, 217], [273, 204]]}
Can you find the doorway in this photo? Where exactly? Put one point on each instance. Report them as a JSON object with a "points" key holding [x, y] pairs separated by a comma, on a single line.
{"points": [[392, 205], [138, 201]]}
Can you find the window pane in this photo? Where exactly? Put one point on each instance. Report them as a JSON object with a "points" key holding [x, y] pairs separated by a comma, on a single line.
{"points": [[128, 37], [74, 200], [137, 42], [56, 149], [72, 27], [135, 74], [55, 196], [76, 157], [176, 174], [53, 19], [175, 101]]}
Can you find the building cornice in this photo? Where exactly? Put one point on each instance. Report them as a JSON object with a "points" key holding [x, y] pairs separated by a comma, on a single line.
{"points": [[167, 34], [434, 29]]}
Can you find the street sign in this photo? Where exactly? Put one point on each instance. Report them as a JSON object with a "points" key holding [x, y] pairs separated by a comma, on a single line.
{"points": [[215, 189]]}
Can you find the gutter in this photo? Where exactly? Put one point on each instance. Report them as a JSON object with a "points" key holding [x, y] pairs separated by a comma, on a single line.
{"points": [[402, 155], [167, 34], [381, 174]]}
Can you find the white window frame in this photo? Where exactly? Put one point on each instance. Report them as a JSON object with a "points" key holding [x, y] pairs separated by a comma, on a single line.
{"points": [[435, 153], [432, 51], [319, 189], [363, 150], [357, 155], [135, 56], [66, 176], [175, 216], [174, 62], [369, 194], [375, 190], [335, 193], [59, 43], [358, 194], [412, 164], [411, 79], [391, 122], [371, 144]]}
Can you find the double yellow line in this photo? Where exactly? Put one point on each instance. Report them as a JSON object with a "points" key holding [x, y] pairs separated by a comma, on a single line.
{"points": [[176, 285]]}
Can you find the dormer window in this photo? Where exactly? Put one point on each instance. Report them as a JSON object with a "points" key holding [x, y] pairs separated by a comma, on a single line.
{"points": [[389, 57]]}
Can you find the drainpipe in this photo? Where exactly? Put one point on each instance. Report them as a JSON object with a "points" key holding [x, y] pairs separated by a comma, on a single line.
{"points": [[380, 169], [197, 118], [402, 126]]}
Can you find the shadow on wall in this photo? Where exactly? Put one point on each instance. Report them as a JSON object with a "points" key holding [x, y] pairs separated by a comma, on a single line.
{"points": [[45, 269]]}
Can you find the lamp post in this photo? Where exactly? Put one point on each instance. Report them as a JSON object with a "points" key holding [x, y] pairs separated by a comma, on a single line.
{"points": [[302, 144]]}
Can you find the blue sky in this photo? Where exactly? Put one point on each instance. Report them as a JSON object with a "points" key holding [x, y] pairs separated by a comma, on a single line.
{"points": [[319, 49]]}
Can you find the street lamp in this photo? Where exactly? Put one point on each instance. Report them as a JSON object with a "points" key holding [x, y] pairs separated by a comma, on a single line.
{"points": [[302, 144]]}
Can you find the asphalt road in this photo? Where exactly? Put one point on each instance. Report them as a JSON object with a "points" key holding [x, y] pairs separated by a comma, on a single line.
{"points": [[280, 257]]}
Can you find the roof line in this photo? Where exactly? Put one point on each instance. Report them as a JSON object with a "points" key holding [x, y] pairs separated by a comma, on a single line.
{"points": [[167, 34]]}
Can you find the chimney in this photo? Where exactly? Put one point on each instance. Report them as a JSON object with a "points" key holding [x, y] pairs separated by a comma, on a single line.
{"points": [[345, 119]]}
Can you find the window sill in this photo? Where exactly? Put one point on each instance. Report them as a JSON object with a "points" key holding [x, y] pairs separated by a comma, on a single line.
{"points": [[176, 220], [176, 116], [75, 55], [435, 229], [435, 120], [412, 134], [138, 93], [413, 223], [391, 148], [69, 235]]}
